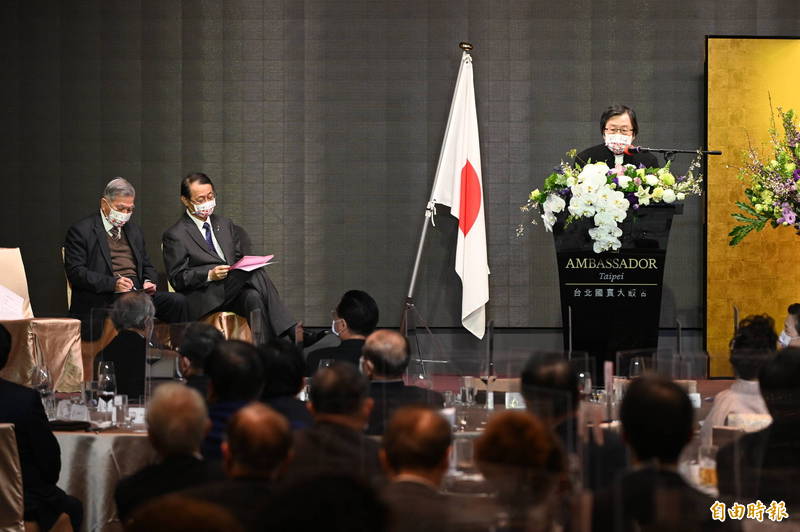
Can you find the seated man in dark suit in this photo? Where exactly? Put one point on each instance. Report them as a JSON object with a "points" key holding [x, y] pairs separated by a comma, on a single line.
{"points": [[199, 250], [255, 450], [386, 356], [336, 442], [550, 388], [765, 464], [39, 454], [235, 378], [198, 343], [177, 421], [355, 317], [657, 423], [284, 371], [132, 315], [415, 454], [619, 128], [105, 256]]}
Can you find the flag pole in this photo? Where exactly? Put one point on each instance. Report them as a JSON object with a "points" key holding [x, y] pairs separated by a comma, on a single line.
{"points": [[408, 305]]}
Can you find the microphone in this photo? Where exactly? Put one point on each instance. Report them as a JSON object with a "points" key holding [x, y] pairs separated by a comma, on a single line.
{"points": [[630, 150]]}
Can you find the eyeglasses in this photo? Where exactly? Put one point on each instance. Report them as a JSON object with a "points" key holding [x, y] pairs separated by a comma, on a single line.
{"points": [[617, 130]]}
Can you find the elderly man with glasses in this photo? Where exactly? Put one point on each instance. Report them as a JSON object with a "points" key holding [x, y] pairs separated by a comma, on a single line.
{"points": [[105, 256], [619, 128]]}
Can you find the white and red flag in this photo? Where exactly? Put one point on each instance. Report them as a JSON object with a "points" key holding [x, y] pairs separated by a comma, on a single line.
{"points": [[458, 184]]}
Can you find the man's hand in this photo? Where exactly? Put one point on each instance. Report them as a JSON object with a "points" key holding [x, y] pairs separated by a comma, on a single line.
{"points": [[123, 284], [219, 272], [149, 287]]}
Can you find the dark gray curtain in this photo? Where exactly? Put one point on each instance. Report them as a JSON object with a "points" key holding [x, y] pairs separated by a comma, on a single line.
{"points": [[321, 122]]}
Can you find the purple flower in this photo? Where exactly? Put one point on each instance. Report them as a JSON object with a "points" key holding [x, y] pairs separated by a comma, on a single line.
{"points": [[789, 216], [796, 175]]}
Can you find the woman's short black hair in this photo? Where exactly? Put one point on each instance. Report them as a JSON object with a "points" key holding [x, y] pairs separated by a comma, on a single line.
{"points": [[794, 312], [616, 110], [189, 180]]}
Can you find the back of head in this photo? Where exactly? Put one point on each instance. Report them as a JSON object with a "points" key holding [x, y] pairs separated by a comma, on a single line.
{"points": [[387, 351], [753, 344], [518, 454], [177, 419], [339, 389], [134, 310], [235, 371], [284, 369], [330, 502], [179, 513], [199, 342], [657, 418], [779, 380], [417, 438], [5, 346], [359, 310], [549, 386], [258, 439]]}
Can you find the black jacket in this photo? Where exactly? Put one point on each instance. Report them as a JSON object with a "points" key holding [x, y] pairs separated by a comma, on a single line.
{"points": [[601, 153], [389, 396], [347, 351], [87, 261], [127, 351]]}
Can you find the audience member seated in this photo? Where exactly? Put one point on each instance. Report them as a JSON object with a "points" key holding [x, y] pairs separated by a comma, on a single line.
{"points": [[790, 336], [753, 344], [329, 502], [355, 317], [657, 422], [284, 370], [46, 504], [385, 359], [522, 460], [765, 465], [340, 405], [177, 421], [550, 388], [235, 375], [132, 316], [415, 455], [178, 513], [198, 343], [256, 448]]}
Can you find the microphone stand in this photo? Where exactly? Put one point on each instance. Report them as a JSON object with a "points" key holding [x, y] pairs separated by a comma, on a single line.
{"points": [[669, 153]]}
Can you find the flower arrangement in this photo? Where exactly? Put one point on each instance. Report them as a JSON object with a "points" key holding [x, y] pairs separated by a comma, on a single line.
{"points": [[773, 192], [607, 195]]}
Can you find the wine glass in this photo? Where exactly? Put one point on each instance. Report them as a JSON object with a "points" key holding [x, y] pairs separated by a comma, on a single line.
{"points": [[325, 363], [106, 385], [42, 383], [585, 384], [637, 367]]}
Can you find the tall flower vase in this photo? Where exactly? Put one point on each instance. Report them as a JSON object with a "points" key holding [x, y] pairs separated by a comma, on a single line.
{"points": [[611, 301]]}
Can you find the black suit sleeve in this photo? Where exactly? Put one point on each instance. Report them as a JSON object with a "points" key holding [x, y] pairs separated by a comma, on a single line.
{"points": [[76, 263], [46, 452], [180, 274]]}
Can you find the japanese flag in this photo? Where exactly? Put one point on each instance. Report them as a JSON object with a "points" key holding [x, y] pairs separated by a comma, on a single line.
{"points": [[458, 185]]}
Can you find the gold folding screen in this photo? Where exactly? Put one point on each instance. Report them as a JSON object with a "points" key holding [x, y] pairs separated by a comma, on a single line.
{"points": [[762, 274]]}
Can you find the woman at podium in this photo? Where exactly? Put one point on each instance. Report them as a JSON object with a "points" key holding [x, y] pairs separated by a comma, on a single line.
{"points": [[619, 128]]}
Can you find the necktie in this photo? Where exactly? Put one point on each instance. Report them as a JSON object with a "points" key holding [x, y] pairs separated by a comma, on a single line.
{"points": [[115, 233], [209, 242]]}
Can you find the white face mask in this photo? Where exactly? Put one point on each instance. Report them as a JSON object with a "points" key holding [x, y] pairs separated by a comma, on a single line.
{"points": [[617, 142], [784, 339], [206, 209], [117, 218], [333, 327]]}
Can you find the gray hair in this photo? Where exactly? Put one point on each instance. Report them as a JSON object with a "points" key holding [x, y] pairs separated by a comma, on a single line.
{"points": [[177, 419], [132, 311], [118, 187]]}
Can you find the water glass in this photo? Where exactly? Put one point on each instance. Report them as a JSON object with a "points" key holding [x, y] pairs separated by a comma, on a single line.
{"points": [[326, 363], [119, 414], [585, 384], [637, 367]]}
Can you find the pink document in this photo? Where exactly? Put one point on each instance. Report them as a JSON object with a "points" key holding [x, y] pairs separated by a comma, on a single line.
{"points": [[249, 263]]}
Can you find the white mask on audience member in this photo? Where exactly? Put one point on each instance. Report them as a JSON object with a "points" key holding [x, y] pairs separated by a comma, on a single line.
{"points": [[205, 209], [784, 339], [117, 218], [617, 142], [333, 327]]}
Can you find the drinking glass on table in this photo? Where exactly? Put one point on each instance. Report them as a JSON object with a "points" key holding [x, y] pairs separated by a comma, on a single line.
{"points": [[325, 363], [585, 384], [106, 386], [637, 367], [42, 383]]}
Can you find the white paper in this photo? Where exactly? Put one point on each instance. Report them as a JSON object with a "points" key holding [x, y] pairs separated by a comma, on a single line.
{"points": [[10, 305]]}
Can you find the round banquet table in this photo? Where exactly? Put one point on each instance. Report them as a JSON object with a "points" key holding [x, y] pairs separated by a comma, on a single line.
{"points": [[91, 465]]}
